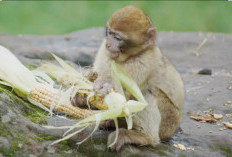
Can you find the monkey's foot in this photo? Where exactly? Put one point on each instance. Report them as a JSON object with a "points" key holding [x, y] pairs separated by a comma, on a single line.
{"points": [[128, 137], [108, 125]]}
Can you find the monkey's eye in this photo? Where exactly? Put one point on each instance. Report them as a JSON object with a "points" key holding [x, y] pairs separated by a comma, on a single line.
{"points": [[118, 38]]}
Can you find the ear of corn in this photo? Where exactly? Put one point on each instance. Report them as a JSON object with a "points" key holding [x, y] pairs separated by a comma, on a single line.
{"points": [[50, 97], [22, 80]]}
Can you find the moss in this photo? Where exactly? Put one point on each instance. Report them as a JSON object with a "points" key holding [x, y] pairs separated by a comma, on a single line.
{"points": [[36, 117], [10, 152], [14, 137], [181, 155], [30, 111], [21, 137], [31, 67], [45, 138], [41, 138], [7, 152], [226, 151], [5, 130], [33, 137], [14, 145], [27, 142], [161, 149], [64, 145]]}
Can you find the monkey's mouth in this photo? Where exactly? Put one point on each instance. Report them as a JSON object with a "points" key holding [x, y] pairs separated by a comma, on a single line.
{"points": [[114, 54]]}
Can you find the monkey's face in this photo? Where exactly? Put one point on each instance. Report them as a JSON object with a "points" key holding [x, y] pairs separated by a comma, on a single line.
{"points": [[122, 45], [115, 43]]}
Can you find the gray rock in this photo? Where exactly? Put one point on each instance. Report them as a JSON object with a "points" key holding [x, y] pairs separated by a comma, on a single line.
{"points": [[7, 117], [4, 143], [203, 92]]}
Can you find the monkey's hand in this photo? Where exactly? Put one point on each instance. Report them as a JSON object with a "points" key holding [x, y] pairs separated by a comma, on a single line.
{"points": [[103, 87]]}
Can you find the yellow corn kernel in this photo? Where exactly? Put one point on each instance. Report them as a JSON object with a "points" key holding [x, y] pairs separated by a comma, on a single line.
{"points": [[98, 102], [50, 96]]}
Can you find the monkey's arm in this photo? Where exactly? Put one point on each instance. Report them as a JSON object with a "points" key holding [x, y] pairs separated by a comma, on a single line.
{"points": [[102, 66], [166, 78]]}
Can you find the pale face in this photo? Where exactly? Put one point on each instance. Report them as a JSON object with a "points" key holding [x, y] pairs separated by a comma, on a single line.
{"points": [[121, 46]]}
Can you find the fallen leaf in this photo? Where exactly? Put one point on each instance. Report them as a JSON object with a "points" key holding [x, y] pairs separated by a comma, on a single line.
{"points": [[209, 111], [229, 102], [193, 89], [204, 119], [190, 148], [229, 115], [221, 129], [228, 125], [218, 116], [180, 146]]}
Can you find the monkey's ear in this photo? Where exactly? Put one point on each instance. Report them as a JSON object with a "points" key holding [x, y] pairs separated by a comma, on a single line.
{"points": [[151, 32]]}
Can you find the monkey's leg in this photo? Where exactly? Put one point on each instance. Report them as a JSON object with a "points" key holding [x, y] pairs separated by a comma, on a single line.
{"points": [[170, 115], [145, 127], [110, 125], [128, 137]]}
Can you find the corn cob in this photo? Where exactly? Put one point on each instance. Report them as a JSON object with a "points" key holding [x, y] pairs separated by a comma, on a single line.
{"points": [[49, 96], [96, 101]]}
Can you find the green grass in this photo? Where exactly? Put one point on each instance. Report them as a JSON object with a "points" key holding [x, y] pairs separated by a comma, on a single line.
{"points": [[59, 17]]}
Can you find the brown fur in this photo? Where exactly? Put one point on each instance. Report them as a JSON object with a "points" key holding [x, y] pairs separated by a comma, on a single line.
{"points": [[131, 21], [158, 80]]}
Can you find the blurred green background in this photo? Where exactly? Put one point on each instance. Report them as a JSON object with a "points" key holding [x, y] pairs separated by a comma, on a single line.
{"points": [[59, 17]]}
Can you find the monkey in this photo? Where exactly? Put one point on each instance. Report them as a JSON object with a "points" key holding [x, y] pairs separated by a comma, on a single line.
{"points": [[130, 42]]}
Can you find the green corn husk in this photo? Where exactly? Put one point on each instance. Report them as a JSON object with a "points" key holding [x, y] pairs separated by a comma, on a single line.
{"points": [[11, 72]]}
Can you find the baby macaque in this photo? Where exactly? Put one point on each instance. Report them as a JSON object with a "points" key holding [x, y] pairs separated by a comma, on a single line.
{"points": [[130, 42]]}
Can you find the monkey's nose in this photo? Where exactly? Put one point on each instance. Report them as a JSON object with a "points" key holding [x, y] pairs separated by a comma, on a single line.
{"points": [[107, 45]]}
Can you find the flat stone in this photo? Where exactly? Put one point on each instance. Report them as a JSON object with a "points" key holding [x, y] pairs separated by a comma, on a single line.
{"points": [[203, 92]]}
